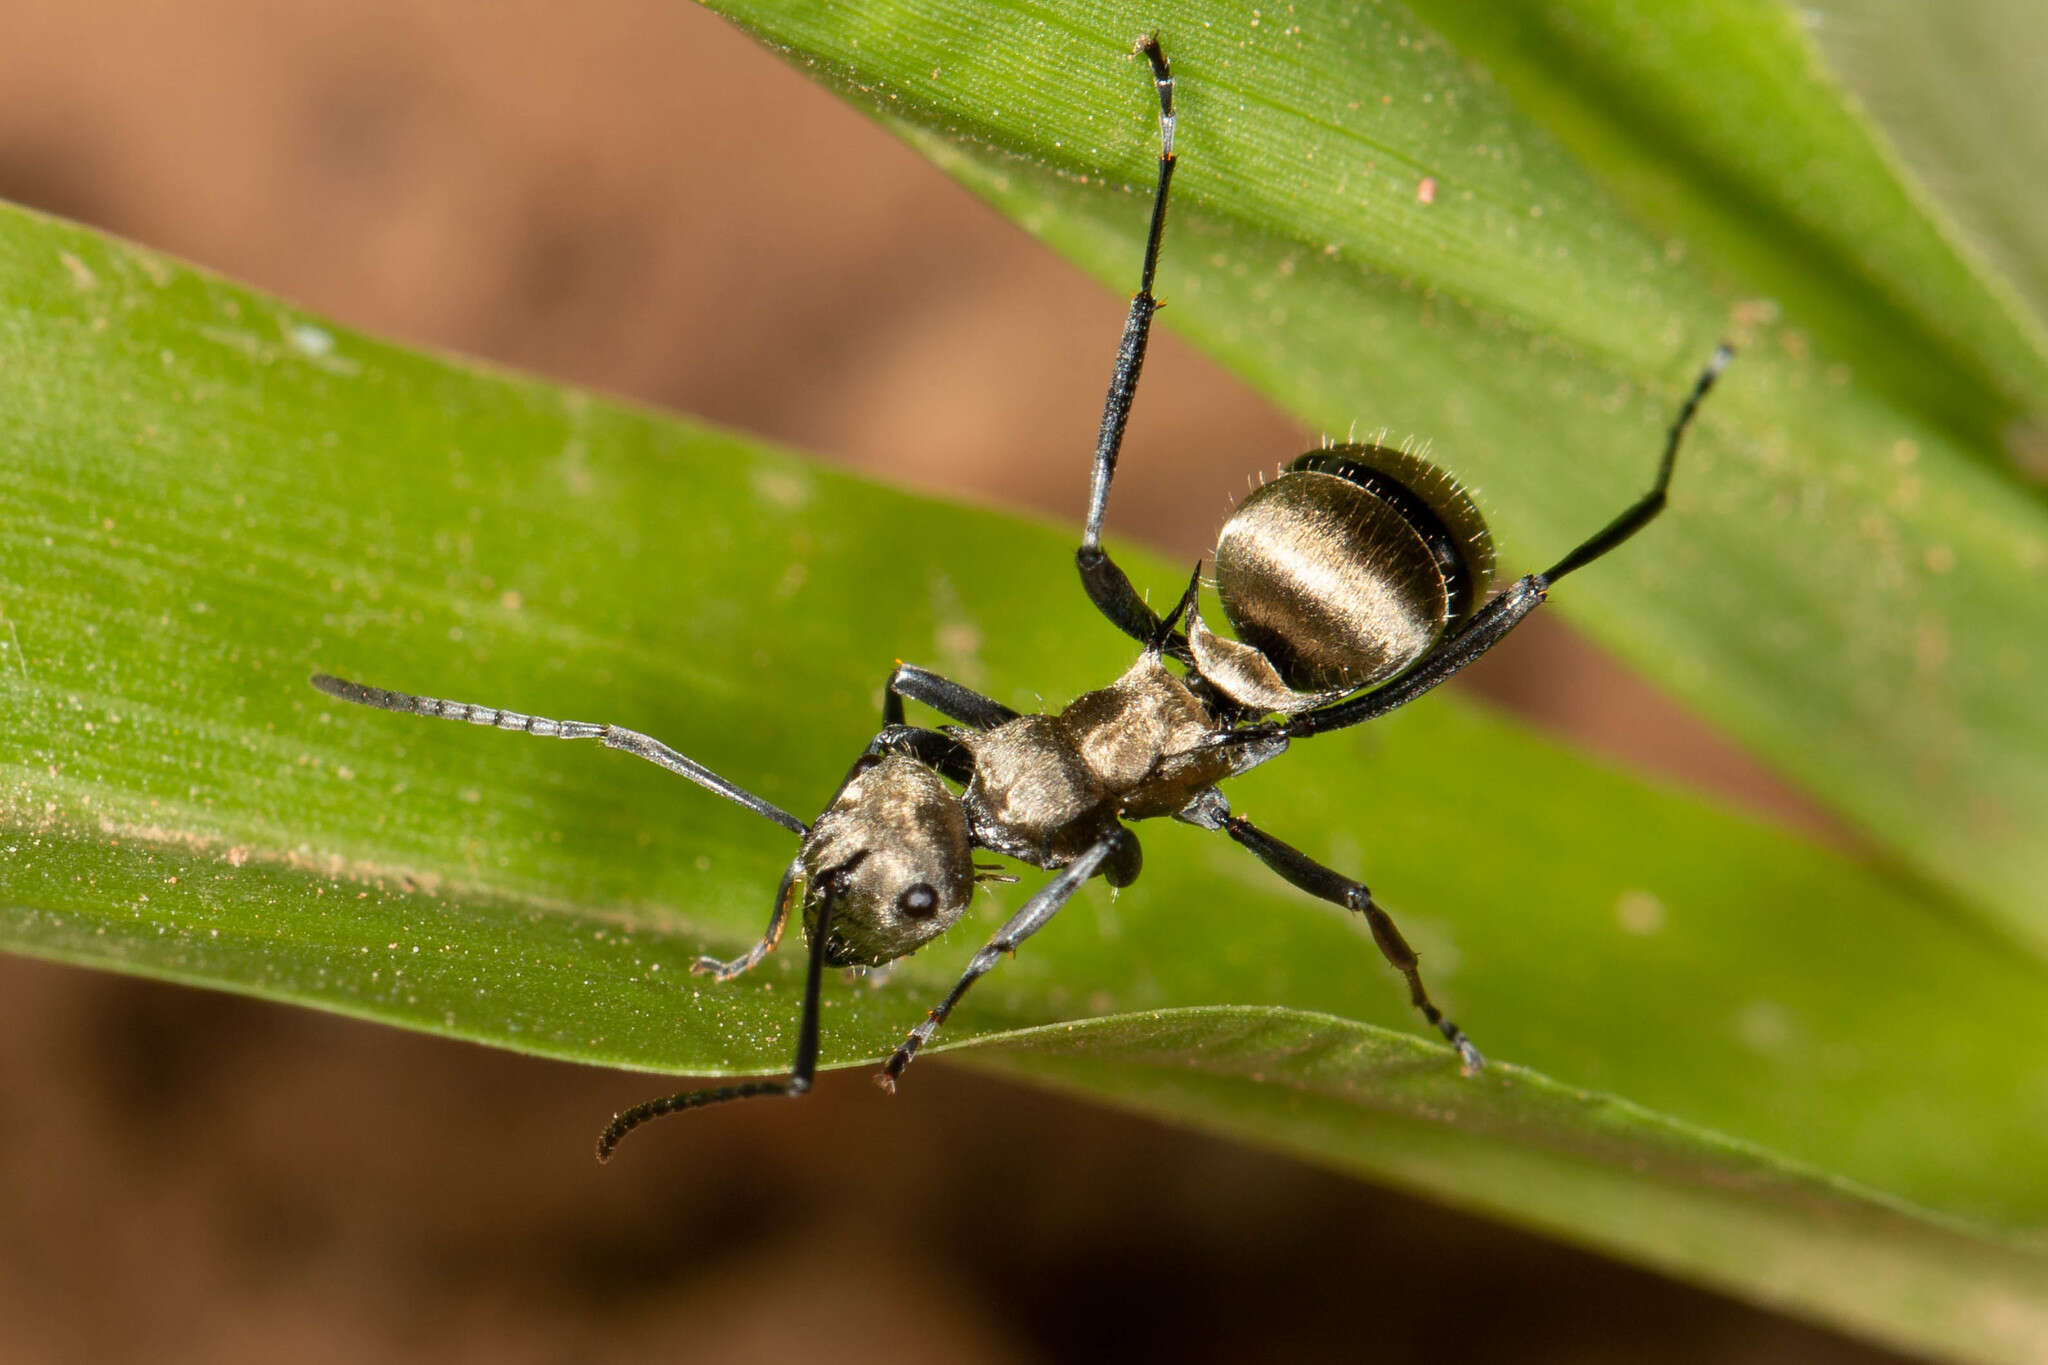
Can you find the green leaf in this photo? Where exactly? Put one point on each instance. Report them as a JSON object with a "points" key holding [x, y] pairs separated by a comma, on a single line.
{"points": [[1462, 234], [211, 495]]}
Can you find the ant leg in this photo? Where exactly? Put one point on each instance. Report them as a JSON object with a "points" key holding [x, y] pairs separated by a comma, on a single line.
{"points": [[1108, 587], [1480, 634], [1506, 611], [943, 695], [720, 969], [801, 1071], [1311, 876], [1644, 510], [936, 749], [1037, 912], [613, 736]]}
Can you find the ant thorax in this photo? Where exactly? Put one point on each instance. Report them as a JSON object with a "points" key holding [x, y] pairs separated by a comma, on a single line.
{"points": [[1046, 787]]}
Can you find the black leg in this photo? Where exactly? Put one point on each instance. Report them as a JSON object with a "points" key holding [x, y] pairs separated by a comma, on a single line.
{"points": [[720, 969], [630, 741], [1037, 912], [1505, 612], [1106, 584], [801, 1071], [1481, 633], [1641, 512], [1311, 876], [937, 750], [943, 695]]}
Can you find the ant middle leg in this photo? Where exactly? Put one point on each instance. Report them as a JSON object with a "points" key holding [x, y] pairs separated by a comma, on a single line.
{"points": [[1114, 848], [1311, 876]]}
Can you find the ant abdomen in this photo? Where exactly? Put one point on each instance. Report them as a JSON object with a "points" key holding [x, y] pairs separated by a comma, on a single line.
{"points": [[1343, 571]]}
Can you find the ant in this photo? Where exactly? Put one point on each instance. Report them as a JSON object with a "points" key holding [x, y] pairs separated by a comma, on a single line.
{"points": [[1355, 582]]}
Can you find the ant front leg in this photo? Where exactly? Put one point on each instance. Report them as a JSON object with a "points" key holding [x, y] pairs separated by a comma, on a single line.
{"points": [[1036, 914], [1319, 881], [1108, 587], [936, 749], [721, 969]]}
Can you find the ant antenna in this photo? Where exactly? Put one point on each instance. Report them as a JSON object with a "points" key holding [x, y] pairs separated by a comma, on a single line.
{"points": [[801, 1071], [614, 737]]}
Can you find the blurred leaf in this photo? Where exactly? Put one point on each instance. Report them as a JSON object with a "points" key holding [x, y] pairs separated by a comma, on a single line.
{"points": [[1376, 225], [1715, 125], [1587, 1167], [1957, 90], [211, 495]]}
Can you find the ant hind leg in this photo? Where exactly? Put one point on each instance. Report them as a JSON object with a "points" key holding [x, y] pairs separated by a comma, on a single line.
{"points": [[1494, 620]]}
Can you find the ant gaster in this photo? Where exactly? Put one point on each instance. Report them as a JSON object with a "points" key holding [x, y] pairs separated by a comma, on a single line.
{"points": [[1355, 582]]}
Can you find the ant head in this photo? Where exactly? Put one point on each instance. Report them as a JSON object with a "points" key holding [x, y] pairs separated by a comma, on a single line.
{"points": [[894, 853], [1339, 574]]}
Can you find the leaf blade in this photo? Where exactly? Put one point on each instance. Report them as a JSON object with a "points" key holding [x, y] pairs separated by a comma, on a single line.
{"points": [[213, 495], [1846, 584]]}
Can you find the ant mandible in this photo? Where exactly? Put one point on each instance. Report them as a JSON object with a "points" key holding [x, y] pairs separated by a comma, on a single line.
{"points": [[1355, 582]]}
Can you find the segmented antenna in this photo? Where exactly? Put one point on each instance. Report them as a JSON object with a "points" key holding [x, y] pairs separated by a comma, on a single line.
{"points": [[613, 737]]}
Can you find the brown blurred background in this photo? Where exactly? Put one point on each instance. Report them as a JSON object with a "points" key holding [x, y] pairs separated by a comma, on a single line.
{"points": [[630, 195]]}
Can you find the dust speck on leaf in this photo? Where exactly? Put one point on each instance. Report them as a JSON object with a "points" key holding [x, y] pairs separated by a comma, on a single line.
{"points": [[1763, 1026], [311, 340], [1639, 912], [784, 488]]}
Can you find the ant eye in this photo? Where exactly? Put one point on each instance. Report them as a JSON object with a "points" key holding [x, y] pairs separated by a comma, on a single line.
{"points": [[919, 902]]}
